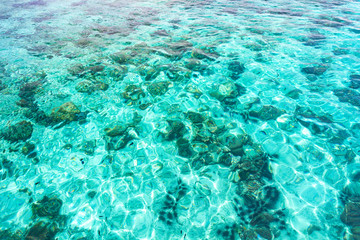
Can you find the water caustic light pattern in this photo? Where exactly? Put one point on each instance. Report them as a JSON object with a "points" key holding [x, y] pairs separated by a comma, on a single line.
{"points": [[179, 119]]}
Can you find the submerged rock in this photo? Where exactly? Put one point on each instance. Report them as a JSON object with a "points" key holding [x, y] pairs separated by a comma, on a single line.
{"points": [[294, 94], [225, 159], [119, 141], [348, 95], [352, 192], [264, 232], [176, 73], [91, 194], [226, 90], [253, 167], [308, 113], [355, 81], [133, 92], [315, 128], [20, 131], [201, 148], [195, 65], [221, 230], [120, 57], [25, 103], [148, 72], [144, 106], [341, 51], [248, 234], [9, 166], [76, 69], [117, 73], [313, 228], [351, 214], [230, 103], [167, 52], [47, 207], [42, 231], [158, 88], [236, 68], [331, 21], [8, 235], [316, 70], [66, 112], [202, 159], [184, 148], [117, 130], [176, 129], [191, 88], [27, 148], [181, 46], [235, 143], [314, 39], [118, 136], [212, 127], [202, 134], [85, 86], [262, 219], [203, 54], [262, 58], [28, 90], [96, 69], [136, 54], [195, 117], [84, 42], [88, 147], [267, 112], [256, 29], [160, 32], [2, 85], [88, 86], [254, 46]]}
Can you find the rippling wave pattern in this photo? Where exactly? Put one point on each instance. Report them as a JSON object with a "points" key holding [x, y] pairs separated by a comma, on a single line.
{"points": [[179, 119]]}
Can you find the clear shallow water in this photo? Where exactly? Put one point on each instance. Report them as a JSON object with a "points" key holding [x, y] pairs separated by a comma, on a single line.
{"points": [[179, 119]]}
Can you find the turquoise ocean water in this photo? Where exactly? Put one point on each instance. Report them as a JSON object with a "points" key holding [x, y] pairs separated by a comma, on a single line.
{"points": [[176, 119]]}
